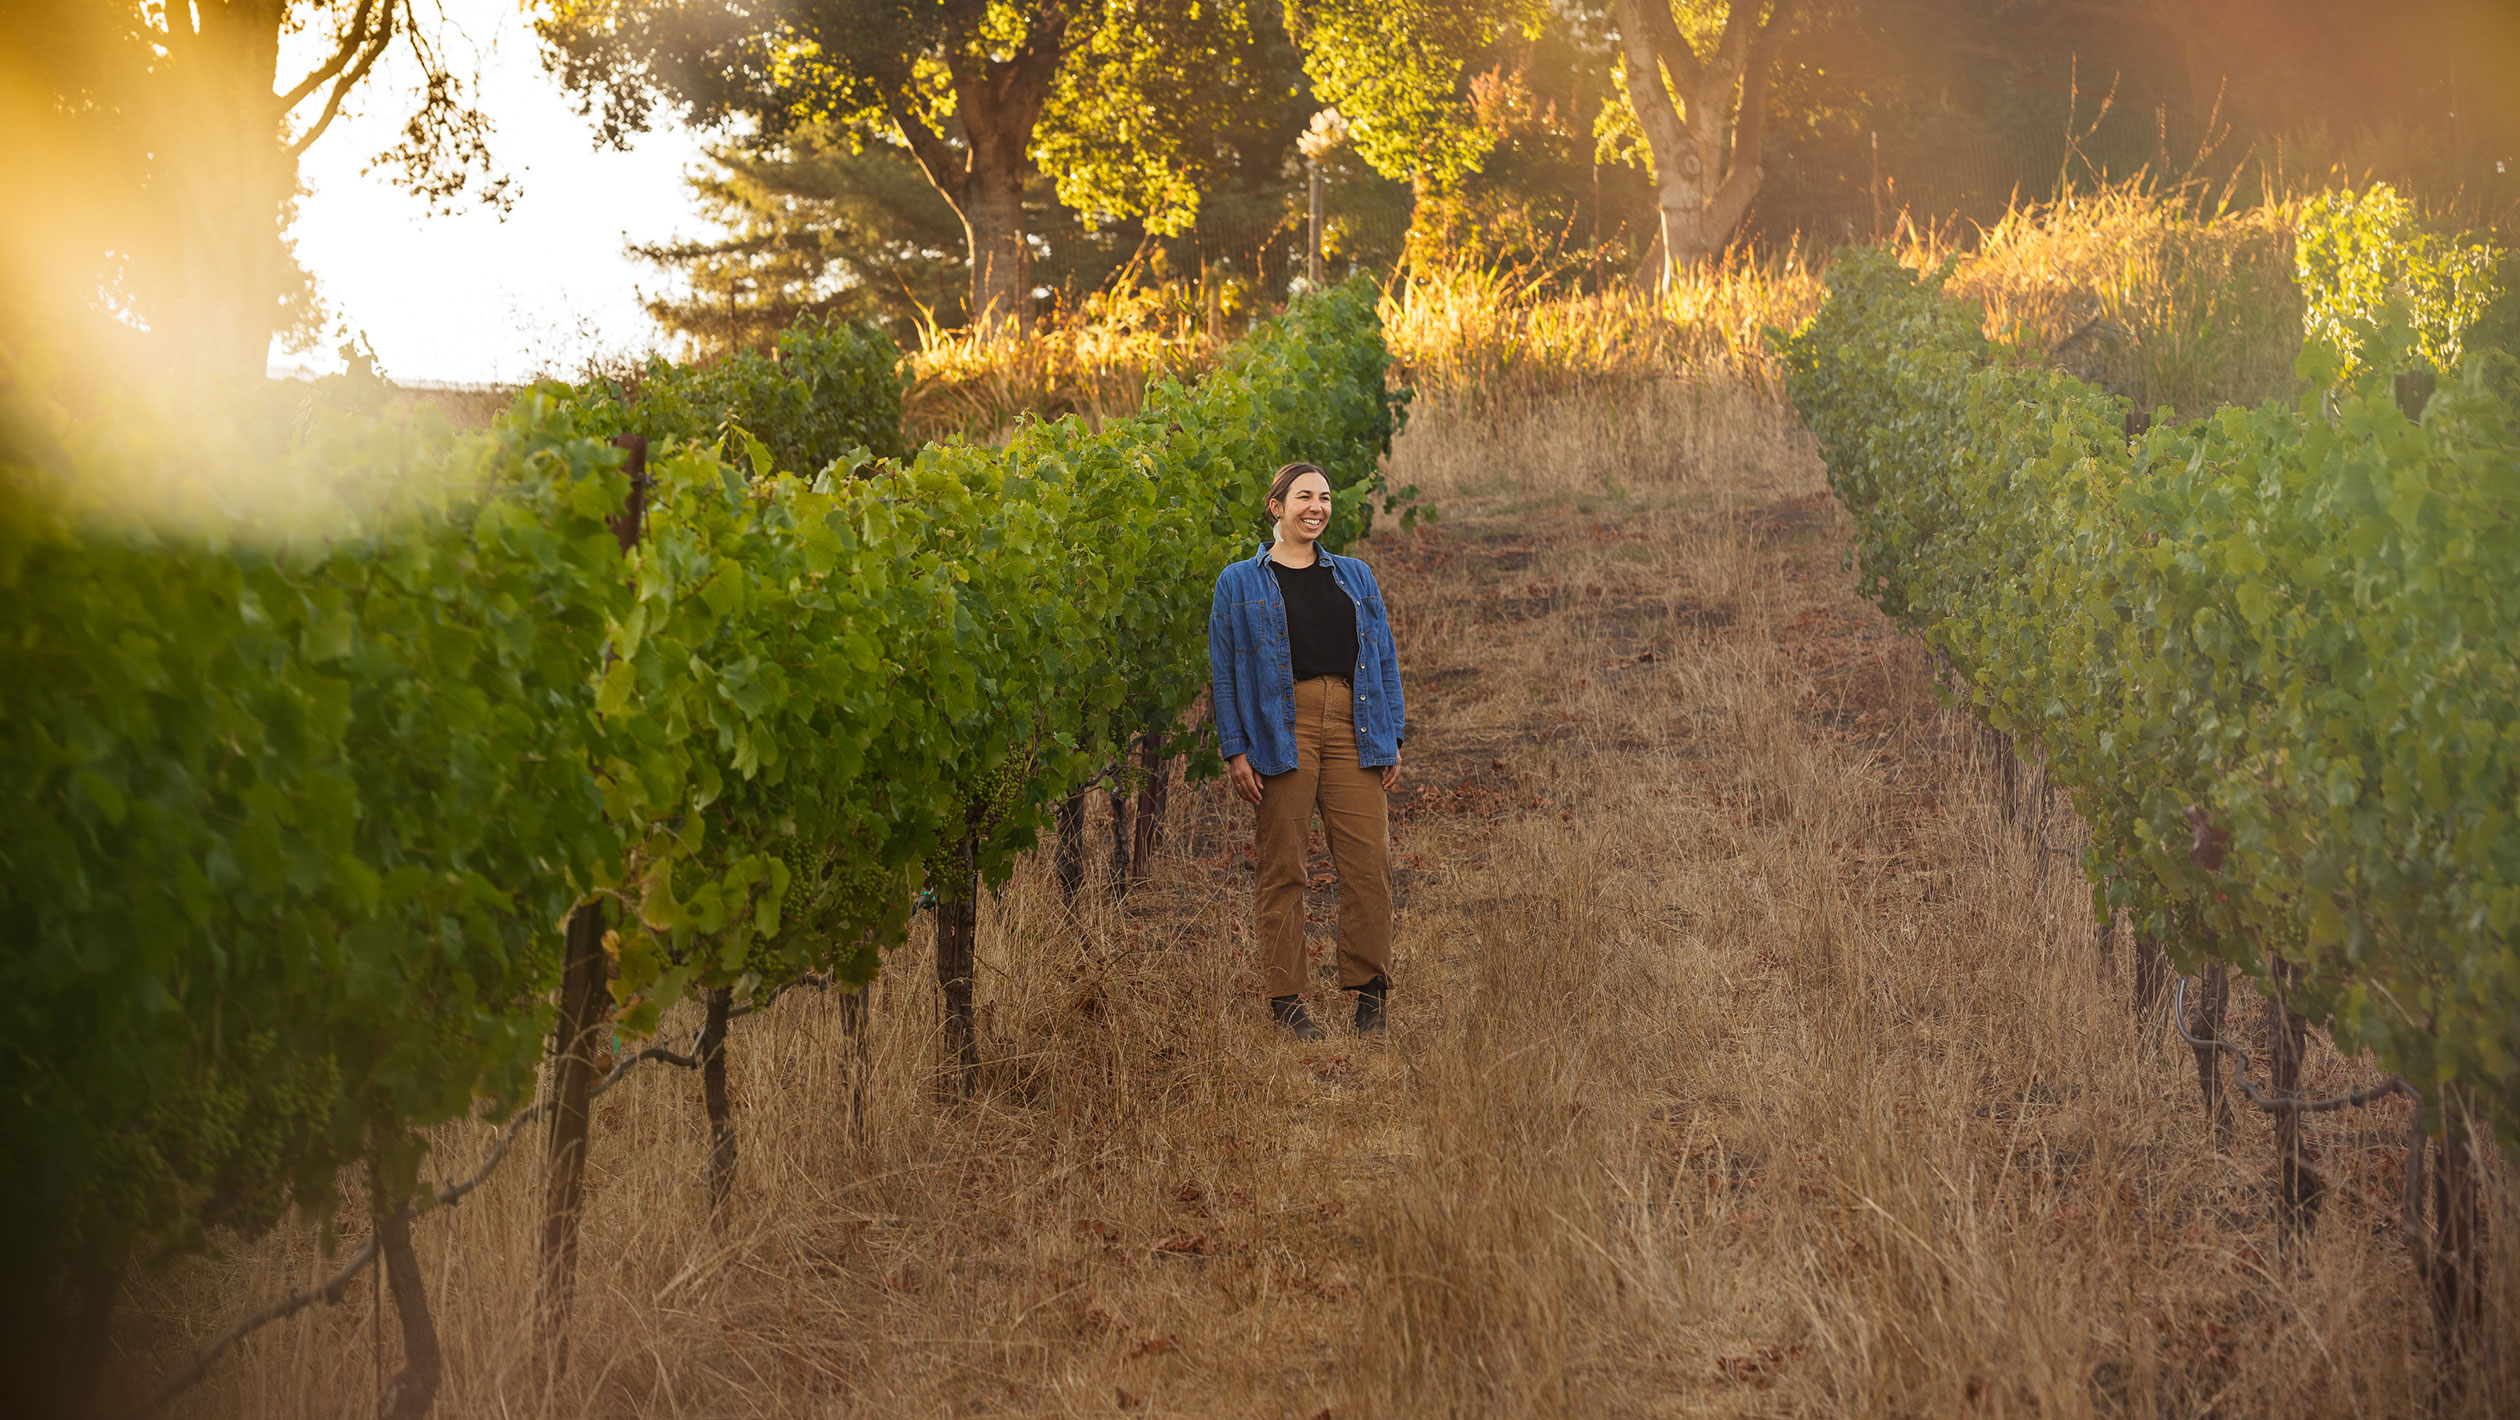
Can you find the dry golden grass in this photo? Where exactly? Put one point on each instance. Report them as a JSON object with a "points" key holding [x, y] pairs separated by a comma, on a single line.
{"points": [[1501, 338], [1746, 1063], [1093, 360], [2131, 289]]}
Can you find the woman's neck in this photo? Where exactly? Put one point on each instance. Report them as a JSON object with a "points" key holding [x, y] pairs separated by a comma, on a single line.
{"points": [[1293, 552]]}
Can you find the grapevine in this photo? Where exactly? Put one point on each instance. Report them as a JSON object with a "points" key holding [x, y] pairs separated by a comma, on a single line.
{"points": [[299, 803]]}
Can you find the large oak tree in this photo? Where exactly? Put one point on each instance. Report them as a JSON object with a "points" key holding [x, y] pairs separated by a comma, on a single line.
{"points": [[1400, 72], [976, 92], [162, 142], [1703, 109]]}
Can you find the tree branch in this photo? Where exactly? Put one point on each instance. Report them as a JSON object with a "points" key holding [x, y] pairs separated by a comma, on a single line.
{"points": [[352, 42], [346, 82], [1741, 23], [1655, 112], [1742, 174], [936, 157], [1652, 23], [1750, 131]]}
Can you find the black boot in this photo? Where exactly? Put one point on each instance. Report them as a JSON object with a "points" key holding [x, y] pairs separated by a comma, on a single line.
{"points": [[1369, 1007], [1292, 1018]]}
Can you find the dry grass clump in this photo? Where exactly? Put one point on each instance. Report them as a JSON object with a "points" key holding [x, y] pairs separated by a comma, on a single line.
{"points": [[2133, 290], [1503, 338], [2128, 287], [1093, 359], [1747, 1061]]}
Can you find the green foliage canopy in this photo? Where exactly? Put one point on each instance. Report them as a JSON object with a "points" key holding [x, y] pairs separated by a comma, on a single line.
{"points": [[2369, 270], [1400, 71], [296, 809]]}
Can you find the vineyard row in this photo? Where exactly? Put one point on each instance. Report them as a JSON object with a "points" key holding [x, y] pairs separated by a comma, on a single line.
{"points": [[298, 806], [2267, 653]]}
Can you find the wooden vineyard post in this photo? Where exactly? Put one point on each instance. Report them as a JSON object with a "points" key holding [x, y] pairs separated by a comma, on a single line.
{"points": [[585, 998], [713, 1098], [1152, 794], [957, 925], [1071, 855]]}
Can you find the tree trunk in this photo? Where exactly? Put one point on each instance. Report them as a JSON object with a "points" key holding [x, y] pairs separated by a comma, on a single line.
{"points": [[2152, 967], [1120, 839], [2300, 1187], [55, 1335], [2458, 1264], [713, 1098], [1152, 795], [583, 996], [1706, 143], [853, 1025], [1001, 258], [2206, 1025], [228, 176], [1071, 853], [957, 928], [415, 1386]]}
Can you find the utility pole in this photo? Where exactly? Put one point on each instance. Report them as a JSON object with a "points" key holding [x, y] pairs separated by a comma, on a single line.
{"points": [[1312, 253]]}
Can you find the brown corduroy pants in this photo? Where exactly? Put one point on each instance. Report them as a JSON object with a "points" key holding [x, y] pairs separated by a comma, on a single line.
{"points": [[1350, 797]]}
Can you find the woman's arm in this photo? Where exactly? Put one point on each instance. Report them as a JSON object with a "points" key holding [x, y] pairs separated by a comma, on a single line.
{"points": [[1391, 667], [1232, 738]]}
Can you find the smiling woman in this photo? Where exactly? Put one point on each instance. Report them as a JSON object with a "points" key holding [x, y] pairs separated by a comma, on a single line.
{"points": [[1309, 712]]}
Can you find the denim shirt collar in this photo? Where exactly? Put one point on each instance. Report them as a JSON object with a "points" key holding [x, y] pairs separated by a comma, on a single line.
{"points": [[1328, 558]]}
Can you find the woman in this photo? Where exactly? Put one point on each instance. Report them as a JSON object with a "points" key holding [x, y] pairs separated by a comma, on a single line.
{"points": [[1307, 696]]}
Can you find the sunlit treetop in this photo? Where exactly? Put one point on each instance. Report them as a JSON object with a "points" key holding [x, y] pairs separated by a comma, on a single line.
{"points": [[1400, 71]]}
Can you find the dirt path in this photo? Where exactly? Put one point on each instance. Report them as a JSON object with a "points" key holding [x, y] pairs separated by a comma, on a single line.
{"points": [[1745, 1062]]}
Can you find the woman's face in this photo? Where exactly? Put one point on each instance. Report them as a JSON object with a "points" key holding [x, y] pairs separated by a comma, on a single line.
{"points": [[1305, 510]]}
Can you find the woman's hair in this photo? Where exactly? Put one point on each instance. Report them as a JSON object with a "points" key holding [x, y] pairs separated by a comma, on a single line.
{"points": [[1286, 479]]}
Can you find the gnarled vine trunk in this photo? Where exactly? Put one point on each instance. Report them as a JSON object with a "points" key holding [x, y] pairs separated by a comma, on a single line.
{"points": [[957, 932]]}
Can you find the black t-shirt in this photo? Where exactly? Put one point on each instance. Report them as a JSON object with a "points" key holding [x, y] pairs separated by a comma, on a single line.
{"points": [[1320, 620]]}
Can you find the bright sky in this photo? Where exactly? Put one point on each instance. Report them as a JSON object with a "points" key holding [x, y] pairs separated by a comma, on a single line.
{"points": [[474, 298]]}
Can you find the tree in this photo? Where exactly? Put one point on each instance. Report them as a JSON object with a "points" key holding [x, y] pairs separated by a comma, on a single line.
{"points": [[958, 84], [1171, 102], [1401, 70], [1116, 93], [817, 225], [1704, 116], [168, 136]]}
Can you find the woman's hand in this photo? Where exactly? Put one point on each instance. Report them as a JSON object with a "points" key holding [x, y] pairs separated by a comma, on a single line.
{"points": [[1391, 772], [1246, 779]]}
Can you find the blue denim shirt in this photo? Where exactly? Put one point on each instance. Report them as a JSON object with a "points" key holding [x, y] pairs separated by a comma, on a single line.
{"points": [[1252, 667]]}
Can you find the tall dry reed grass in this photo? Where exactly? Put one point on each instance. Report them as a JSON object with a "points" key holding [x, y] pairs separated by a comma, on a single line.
{"points": [[1093, 359], [1747, 1062], [2132, 287], [1503, 337], [2139, 292]]}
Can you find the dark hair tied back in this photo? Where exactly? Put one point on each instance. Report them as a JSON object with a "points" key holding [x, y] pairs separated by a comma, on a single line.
{"points": [[1286, 479]]}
